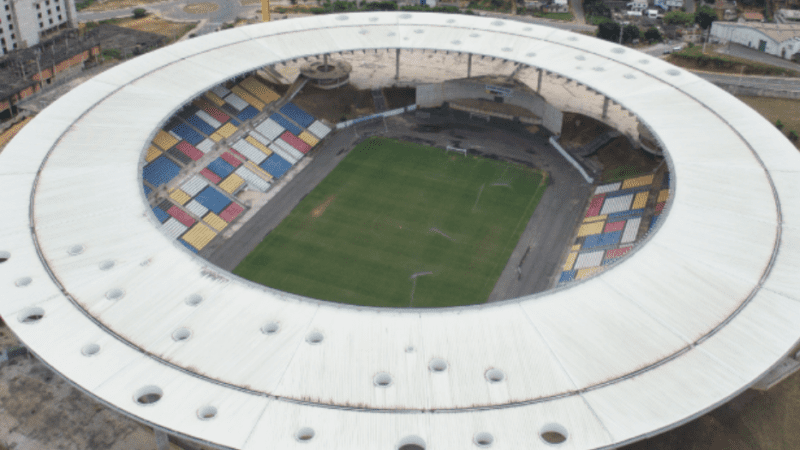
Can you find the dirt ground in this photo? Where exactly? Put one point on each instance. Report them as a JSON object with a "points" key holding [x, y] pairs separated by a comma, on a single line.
{"points": [[201, 8], [153, 24], [578, 130], [785, 110], [336, 105], [398, 97]]}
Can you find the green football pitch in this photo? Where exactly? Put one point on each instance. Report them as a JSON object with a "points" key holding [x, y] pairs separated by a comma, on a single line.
{"points": [[400, 225]]}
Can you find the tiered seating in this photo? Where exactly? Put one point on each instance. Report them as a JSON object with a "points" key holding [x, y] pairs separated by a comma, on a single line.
{"points": [[319, 129], [616, 204], [160, 171], [294, 112], [258, 89]]}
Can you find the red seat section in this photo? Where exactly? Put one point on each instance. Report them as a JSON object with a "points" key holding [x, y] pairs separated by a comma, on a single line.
{"points": [[595, 205], [231, 212], [295, 142], [617, 252], [614, 226], [181, 216], [230, 159], [214, 112], [189, 150], [211, 176]]}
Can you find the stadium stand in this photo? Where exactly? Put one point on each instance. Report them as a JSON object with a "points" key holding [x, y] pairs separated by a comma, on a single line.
{"points": [[285, 123], [210, 176], [215, 221], [164, 140], [189, 150], [187, 134], [203, 126], [198, 236], [270, 129], [258, 89], [160, 214], [220, 167], [236, 102], [295, 113], [247, 113], [152, 153], [276, 166], [181, 216], [319, 129], [179, 196], [295, 142], [231, 183], [160, 171], [172, 228], [247, 97], [212, 199]]}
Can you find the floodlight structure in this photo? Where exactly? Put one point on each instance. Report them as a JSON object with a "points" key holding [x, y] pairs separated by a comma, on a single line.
{"points": [[692, 317]]}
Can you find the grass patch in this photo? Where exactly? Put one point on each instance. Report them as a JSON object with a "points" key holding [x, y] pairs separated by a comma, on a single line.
{"points": [[694, 58], [391, 209], [774, 109], [619, 173], [553, 16]]}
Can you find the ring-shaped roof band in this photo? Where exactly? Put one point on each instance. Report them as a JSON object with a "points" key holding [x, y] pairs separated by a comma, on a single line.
{"points": [[697, 314]]}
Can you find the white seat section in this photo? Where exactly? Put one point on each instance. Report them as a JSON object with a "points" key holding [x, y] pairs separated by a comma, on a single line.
{"points": [[194, 185], [288, 148], [253, 180], [172, 228], [283, 153], [260, 138], [220, 90], [208, 119], [630, 231], [236, 101], [196, 208], [319, 129], [206, 146], [603, 188], [175, 135], [250, 151], [589, 259], [617, 204], [270, 129]]}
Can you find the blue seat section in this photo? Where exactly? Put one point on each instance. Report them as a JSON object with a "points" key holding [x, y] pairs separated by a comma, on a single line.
{"points": [[235, 122], [275, 165], [187, 245], [247, 113], [160, 171], [212, 199], [629, 214], [621, 192], [188, 134], [567, 275], [653, 223], [147, 190], [220, 167], [200, 124], [610, 261], [161, 215], [601, 240], [294, 112], [284, 122]]}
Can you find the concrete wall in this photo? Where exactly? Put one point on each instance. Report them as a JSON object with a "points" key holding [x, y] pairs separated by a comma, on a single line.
{"points": [[750, 37], [434, 95]]}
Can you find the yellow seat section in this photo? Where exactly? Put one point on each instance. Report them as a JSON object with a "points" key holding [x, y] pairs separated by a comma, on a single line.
{"points": [[216, 137], [570, 261], [226, 130], [663, 195], [590, 228], [179, 196], [308, 138], [254, 102], [576, 247], [595, 218], [152, 153], [215, 221], [199, 236], [231, 183], [640, 200], [6, 136], [215, 98], [164, 140], [587, 272], [258, 145], [637, 182], [258, 170], [258, 89]]}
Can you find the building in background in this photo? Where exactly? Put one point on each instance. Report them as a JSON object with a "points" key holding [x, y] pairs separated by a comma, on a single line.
{"points": [[24, 23], [782, 40]]}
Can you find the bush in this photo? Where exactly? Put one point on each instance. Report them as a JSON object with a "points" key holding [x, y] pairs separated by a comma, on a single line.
{"points": [[793, 136], [609, 31], [705, 16], [139, 13], [629, 33], [779, 124], [678, 18], [653, 35], [112, 53]]}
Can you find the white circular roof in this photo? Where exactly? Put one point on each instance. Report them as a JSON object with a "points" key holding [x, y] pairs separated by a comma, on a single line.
{"points": [[693, 317]]}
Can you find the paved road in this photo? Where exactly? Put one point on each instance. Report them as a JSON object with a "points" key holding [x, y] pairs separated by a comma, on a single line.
{"points": [[771, 83], [571, 26], [755, 55], [577, 11]]}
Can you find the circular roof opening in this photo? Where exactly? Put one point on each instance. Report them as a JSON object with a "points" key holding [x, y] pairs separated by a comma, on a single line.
{"points": [[382, 379], [437, 365], [181, 334], [106, 265], [554, 434], [194, 299], [90, 349], [495, 375], [148, 395], [411, 443], [304, 434], [207, 412], [30, 315], [315, 337], [75, 250], [4, 256], [270, 328], [115, 294], [24, 281], [483, 439]]}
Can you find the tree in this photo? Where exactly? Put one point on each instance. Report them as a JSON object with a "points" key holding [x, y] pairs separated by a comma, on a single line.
{"points": [[596, 8], [653, 35], [629, 33], [608, 31], [678, 18], [779, 124], [139, 13], [705, 16]]}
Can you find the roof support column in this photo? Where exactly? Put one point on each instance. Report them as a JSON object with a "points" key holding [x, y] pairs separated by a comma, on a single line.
{"points": [[397, 65], [605, 107], [539, 83], [469, 65]]}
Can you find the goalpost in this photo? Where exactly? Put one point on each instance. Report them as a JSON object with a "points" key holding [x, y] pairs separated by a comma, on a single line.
{"points": [[450, 148]]}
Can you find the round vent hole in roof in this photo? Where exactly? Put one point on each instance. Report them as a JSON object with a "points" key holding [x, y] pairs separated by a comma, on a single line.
{"points": [[270, 328], [148, 395], [207, 412], [554, 434], [411, 443], [90, 349], [24, 281], [304, 434], [315, 337], [30, 315], [194, 299], [115, 294], [483, 439], [4, 256], [106, 265], [437, 365], [382, 379], [75, 250], [181, 334], [495, 375]]}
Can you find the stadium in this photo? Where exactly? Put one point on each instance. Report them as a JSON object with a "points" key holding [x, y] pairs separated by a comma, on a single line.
{"points": [[108, 273]]}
